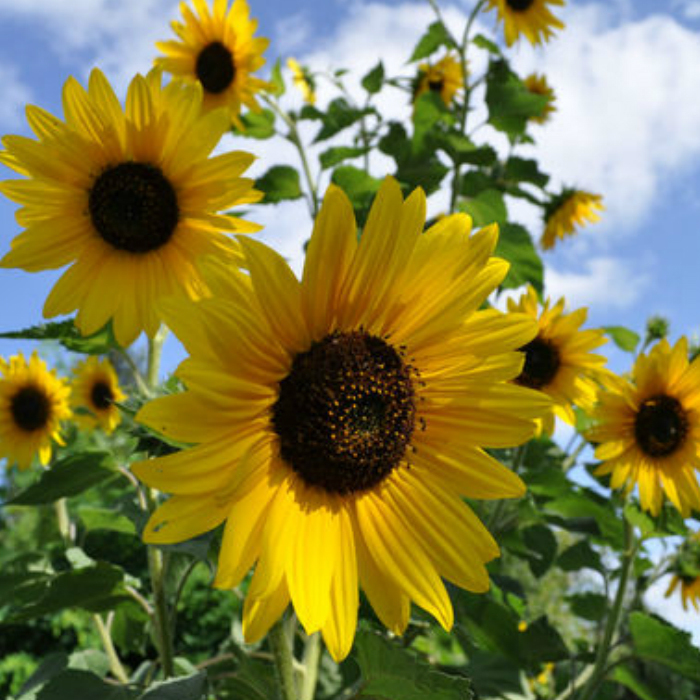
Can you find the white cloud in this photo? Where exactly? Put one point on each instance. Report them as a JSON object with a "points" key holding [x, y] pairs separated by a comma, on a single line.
{"points": [[15, 94], [691, 9]]}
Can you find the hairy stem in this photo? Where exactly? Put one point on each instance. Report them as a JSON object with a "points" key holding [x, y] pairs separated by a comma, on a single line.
{"points": [[115, 664], [284, 660], [312, 656]]}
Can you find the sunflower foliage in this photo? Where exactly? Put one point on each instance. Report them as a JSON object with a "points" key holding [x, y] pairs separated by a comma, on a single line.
{"points": [[355, 485]]}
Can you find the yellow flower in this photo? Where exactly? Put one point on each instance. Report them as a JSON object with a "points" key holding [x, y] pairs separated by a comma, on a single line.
{"points": [[444, 78], [570, 209], [96, 388], [338, 419], [690, 591], [559, 361], [218, 51], [686, 572], [649, 430], [128, 198], [538, 85], [531, 18], [302, 81], [33, 402]]}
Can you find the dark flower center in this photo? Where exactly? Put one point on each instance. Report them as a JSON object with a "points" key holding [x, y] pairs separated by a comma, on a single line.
{"points": [[519, 5], [661, 426], [134, 207], [541, 364], [346, 412], [215, 68], [30, 409], [101, 396], [436, 84]]}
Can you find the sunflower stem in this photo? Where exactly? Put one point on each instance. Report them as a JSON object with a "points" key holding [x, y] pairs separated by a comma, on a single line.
{"points": [[63, 521], [115, 664], [284, 661], [155, 352], [312, 656], [156, 567]]}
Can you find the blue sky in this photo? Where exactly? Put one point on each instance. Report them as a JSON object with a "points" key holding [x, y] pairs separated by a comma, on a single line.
{"points": [[627, 126]]}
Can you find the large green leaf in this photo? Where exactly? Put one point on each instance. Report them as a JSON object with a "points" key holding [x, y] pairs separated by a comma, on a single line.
{"points": [[486, 208], [372, 82], [524, 170], [435, 37], [280, 182], [580, 556], [258, 125], [542, 548], [392, 672], [51, 666], [74, 684], [624, 338], [515, 246], [190, 688], [338, 154], [624, 675], [589, 606], [66, 333], [338, 116]]}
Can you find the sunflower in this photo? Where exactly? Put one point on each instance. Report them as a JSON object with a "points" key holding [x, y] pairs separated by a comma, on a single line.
{"points": [[444, 78], [531, 18], [96, 388], [686, 572], [559, 361], [338, 419], [649, 430], [129, 198], [217, 50], [33, 402], [570, 209], [538, 85], [302, 80]]}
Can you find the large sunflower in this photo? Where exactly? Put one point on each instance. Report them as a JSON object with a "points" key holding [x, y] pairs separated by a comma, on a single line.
{"points": [[129, 198], [340, 418], [96, 388], [33, 402], [559, 361], [566, 211], [530, 18], [217, 50], [649, 430], [444, 78]]}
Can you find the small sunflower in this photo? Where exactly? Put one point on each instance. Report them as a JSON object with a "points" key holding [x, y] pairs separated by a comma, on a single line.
{"points": [[302, 80], [129, 198], [338, 419], [217, 49], [559, 361], [33, 402], [648, 430], [570, 209], [538, 85], [444, 78], [686, 572], [96, 388], [530, 18]]}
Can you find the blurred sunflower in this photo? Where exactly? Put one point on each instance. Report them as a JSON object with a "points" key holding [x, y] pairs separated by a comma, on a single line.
{"points": [[302, 80], [217, 50], [33, 402], [96, 388], [340, 418], [128, 198], [559, 361], [649, 430], [686, 573], [444, 78], [570, 209], [530, 18], [538, 85]]}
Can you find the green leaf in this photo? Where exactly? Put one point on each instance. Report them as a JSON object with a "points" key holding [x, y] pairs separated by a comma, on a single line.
{"points": [[391, 672], [483, 43], [67, 477], [190, 688], [372, 82], [463, 150], [486, 208], [542, 546], [258, 125], [627, 677], [358, 185], [624, 338], [277, 80], [66, 333], [339, 115], [525, 170], [540, 643], [640, 519], [51, 666], [336, 155], [280, 182], [73, 684], [589, 606], [515, 245], [493, 676], [435, 37], [660, 641], [95, 518], [428, 111], [580, 556], [90, 660], [93, 588]]}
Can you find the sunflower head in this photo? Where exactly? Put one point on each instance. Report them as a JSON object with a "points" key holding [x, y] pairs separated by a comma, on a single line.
{"points": [[686, 572], [96, 390], [566, 211], [33, 402], [648, 429], [338, 419], [217, 49], [130, 199], [444, 78], [303, 80], [532, 19], [559, 360], [538, 85]]}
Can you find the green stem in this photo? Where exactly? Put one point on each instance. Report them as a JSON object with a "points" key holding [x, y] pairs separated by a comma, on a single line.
{"points": [[156, 567], [312, 656], [284, 661], [135, 372], [155, 351], [63, 521], [115, 665], [570, 460]]}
